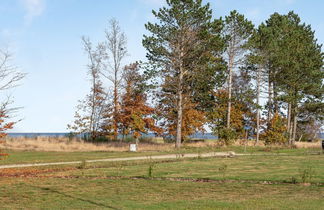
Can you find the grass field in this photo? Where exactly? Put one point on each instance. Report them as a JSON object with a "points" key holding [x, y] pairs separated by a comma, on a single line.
{"points": [[32, 156], [83, 193], [262, 179]]}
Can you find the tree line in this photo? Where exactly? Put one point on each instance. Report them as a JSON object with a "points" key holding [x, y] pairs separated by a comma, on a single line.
{"points": [[240, 80]]}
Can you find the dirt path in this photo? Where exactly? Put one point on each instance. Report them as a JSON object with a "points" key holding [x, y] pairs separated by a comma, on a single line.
{"points": [[171, 156]]}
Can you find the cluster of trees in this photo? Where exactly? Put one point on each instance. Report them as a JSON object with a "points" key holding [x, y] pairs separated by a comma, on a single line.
{"points": [[239, 80], [122, 108]]}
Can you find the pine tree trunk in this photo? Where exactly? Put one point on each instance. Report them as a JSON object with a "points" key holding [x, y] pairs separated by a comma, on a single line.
{"points": [[179, 120], [275, 101], [289, 122], [180, 101], [258, 104], [269, 102], [258, 126], [229, 105], [179, 111], [295, 126], [290, 132]]}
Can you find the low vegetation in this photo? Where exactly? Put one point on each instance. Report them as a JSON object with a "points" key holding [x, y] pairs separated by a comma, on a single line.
{"points": [[261, 179], [64, 144]]}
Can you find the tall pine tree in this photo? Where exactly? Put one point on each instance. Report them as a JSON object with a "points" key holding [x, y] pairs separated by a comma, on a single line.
{"points": [[186, 46]]}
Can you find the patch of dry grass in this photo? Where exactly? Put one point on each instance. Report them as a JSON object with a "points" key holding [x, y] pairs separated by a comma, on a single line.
{"points": [[309, 145], [299, 145], [63, 144]]}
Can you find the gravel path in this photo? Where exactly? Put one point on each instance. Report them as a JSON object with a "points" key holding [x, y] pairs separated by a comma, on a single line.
{"points": [[157, 157]]}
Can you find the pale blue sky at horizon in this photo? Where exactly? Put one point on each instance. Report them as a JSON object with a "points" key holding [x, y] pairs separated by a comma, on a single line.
{"points": [[45, 38]]}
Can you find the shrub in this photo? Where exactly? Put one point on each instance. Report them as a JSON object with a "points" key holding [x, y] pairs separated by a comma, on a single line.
{"points": [[82, 165], [275, 134], [223, 169], [306, 174], [227, 135], [151, 167]]}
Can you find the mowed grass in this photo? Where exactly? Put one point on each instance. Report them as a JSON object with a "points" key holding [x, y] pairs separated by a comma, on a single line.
{"points": [[276, 168], [259, 181], [51, 193], [20, 156]]}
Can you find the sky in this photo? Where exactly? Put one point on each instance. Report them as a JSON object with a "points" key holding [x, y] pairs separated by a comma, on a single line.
{"points": [[44, 37]]}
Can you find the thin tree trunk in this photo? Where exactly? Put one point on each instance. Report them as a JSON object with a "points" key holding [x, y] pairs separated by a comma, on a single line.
{"points": [[92, 121], [300, 138], [229, 105], [290, 132], [258, 126], [179, 120], [269, 102], [289, 122], [295, 125], [115, 112], [258, 104], [275, 101], [180, 100]]}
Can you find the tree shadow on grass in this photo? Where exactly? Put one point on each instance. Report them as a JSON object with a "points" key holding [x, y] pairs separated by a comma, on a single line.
{"points": [[73, 197]]}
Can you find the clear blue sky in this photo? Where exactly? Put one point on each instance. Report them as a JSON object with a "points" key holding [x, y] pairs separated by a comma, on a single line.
{"points": [[45, 37]]}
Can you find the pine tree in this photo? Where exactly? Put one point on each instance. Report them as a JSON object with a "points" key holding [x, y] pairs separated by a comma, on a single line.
{"points": [[186, 46], [299, 60], [237, 31], [288, 51]]}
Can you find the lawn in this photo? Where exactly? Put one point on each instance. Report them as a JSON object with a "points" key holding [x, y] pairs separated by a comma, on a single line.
{"points": [[261, 179], [82, 193], [18, 157], [253, 168]]}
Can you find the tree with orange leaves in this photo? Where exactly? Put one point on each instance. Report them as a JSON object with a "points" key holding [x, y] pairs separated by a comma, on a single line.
{"points": [[4, 126], [276, 132], [193, 118], [136, 116]]}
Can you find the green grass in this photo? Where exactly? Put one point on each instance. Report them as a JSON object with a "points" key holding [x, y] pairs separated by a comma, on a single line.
{"points": [[253, 168], [17, 157], [149, 194], [127, 185]]}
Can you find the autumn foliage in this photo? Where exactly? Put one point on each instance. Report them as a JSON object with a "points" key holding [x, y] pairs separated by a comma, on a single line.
{"points": [[136, 116], [4, 126], [276, 132], [193, 121], [218, 116]]}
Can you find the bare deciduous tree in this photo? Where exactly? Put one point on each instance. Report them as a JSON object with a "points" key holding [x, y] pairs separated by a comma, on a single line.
{"points": [[9, 75], [9, 78], [116, 42], [89, 116]]}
